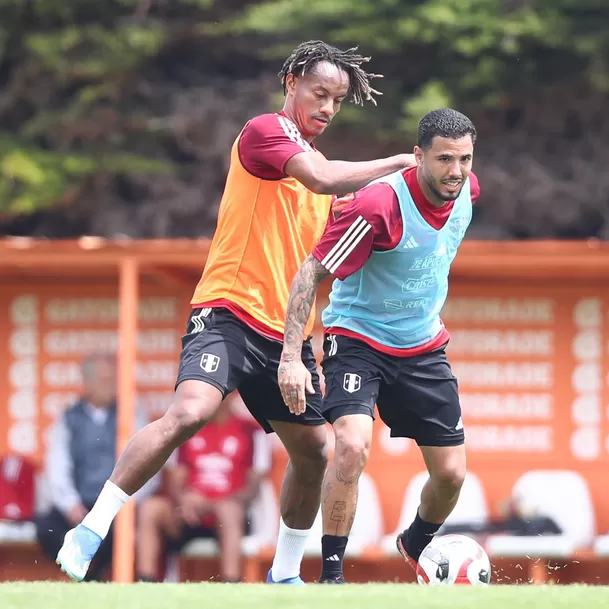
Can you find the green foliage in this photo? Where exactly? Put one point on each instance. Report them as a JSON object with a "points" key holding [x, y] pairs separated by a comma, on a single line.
{"points": [[471, 53], [94, 51], [71, 65], [31, 178], [432, 95], [88, 87]]}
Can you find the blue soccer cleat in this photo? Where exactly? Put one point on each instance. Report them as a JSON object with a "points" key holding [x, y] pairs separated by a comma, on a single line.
{"points": [[291, 581], [79, 548]]}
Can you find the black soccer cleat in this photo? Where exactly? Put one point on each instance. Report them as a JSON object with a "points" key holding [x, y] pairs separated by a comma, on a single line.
{"points": [[332, 579], [400, 543]]}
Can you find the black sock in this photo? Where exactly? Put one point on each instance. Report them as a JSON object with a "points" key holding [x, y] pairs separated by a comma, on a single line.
{"points": [[419, 535], [332, 554]]}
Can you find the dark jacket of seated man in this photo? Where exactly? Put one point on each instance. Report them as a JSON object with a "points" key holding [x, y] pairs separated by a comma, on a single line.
{"points": [[81, 455]]}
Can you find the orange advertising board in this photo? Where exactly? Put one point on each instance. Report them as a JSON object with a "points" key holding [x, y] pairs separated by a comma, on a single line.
{"points": [[47, 330], [532, 362]]}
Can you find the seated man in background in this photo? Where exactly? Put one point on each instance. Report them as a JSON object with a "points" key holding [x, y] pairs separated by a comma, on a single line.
{"points": [[81, 455], [217, 476]]}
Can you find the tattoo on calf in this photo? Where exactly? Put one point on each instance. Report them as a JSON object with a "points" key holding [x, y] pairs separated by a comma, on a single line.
{"points": [[339, 511], [345, 479]]}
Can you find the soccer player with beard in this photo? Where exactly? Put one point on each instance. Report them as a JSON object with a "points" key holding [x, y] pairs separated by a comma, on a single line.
{"points": [[390, 250]]}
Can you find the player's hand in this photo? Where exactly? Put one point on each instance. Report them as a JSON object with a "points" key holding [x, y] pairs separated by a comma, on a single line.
{"points": [[339, 204], [294, 382], [192, 508]]}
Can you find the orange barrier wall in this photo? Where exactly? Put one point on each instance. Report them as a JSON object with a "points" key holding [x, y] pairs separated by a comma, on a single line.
{"points": [[530, 347], [533, 369], [47, 329]]}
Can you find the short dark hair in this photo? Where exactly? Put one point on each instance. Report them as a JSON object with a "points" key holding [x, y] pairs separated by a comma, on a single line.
{"points": [[444, 122], [308, 54]]}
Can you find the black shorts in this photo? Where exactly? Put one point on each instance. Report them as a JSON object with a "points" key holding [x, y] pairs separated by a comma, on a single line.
{"points": [[223, 351], [417, 397]]}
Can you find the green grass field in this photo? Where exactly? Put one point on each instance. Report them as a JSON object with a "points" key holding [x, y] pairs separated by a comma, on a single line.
{"points": [[260, 596]]}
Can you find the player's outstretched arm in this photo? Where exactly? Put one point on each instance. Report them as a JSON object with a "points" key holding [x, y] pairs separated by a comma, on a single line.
{"points": [[341, 177], [294, 378]]}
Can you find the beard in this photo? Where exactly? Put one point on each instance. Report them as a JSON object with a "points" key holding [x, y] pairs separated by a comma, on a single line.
{"points": [[432, 185]]}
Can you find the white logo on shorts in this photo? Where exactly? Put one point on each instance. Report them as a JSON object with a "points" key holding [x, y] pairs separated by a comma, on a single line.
{"points": [[198, 320], [459, 424], [333, 349], [210, 362], [352, 382]]}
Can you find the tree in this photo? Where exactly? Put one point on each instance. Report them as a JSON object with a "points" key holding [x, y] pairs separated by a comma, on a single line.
{"points": [[534, 75], [476, 54], [100, 103], [117, 117]]}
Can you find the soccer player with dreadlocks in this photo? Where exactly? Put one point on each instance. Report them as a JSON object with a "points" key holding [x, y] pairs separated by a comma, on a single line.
{"points": [[274, 208]]}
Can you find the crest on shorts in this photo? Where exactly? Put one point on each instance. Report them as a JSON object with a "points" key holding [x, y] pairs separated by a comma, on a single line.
{"points": [[209, 362], [352, 382]]}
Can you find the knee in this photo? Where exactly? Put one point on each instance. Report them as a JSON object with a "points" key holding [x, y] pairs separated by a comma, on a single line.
{"points": [[352, 445], [449, 476], [311, 458], [193, 405]]}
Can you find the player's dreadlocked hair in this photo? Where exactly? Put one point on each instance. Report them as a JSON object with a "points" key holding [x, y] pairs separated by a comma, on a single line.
{"points": [[308, 54]]}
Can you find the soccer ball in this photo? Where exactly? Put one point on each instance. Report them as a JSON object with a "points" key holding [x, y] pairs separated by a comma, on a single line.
{"points": [[453, 559]]}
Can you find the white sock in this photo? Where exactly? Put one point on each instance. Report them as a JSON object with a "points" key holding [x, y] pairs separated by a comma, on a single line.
{"points": [[108, 504], [290, 550]]}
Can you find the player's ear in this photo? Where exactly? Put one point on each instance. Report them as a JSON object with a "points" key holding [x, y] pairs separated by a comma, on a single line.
{"points": [[418, 155], [290, 83]]}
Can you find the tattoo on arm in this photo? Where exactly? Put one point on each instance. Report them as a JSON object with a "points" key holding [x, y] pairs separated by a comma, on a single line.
{"points": [[302, 296]]}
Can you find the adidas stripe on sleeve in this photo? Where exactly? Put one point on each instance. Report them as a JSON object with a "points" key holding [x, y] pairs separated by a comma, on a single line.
{"points": [[267, 143], [366, 224]]}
